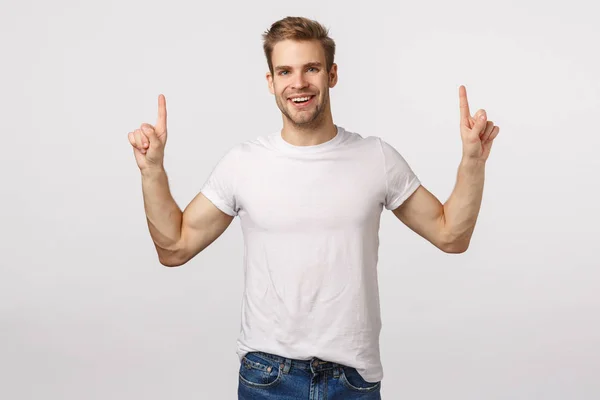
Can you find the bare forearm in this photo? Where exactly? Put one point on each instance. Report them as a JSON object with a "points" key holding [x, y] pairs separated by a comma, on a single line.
{"points": [[462, 207], [162, 212]]}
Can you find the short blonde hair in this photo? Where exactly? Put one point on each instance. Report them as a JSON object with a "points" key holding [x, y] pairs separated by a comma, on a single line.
{"points": [[298, 28]]}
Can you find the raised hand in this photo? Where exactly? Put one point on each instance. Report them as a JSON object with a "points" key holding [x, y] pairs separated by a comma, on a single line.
{"points": [[149, 141], [477, 132]]}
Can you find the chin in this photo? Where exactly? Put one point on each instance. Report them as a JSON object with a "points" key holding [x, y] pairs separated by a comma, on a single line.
{"points": [[311, 121]]}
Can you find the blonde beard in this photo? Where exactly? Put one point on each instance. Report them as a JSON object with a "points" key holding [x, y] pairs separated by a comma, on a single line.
{"points": [[311, 123]]}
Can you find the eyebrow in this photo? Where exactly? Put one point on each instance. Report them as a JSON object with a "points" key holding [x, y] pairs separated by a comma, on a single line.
{"points": [[310, 64]]}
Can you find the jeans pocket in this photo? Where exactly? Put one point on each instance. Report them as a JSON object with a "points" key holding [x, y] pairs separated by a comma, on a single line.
{"points": [[258, 372], [354, 381]]}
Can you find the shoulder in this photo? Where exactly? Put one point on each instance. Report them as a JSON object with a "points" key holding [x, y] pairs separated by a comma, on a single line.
{"points": [[249, 146], [390, 152], [354, 139], [258, 144], [368, 138]]}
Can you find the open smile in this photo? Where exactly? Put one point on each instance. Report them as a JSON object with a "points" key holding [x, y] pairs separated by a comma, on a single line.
{"points": [[303, 101]]}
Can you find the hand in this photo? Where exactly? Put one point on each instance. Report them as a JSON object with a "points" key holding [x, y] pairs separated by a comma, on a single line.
{"points": [[477, 134], [149, 141]]}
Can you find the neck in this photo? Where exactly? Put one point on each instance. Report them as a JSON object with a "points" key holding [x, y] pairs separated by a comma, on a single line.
{"points": [[311, 134]]}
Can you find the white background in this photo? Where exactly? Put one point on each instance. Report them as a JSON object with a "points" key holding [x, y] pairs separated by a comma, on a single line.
{"points": [[88, 312]]}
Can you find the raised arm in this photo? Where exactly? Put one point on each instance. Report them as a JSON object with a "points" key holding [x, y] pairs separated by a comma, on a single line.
{"points": [[423, 213], [178, 236], [202, 224], [447, 226], [450, 226]]}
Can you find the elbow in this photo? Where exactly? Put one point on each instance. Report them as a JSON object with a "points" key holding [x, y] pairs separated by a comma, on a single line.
{"points": [[170, 263], [170, 258], [455, 247], [455, 250], [453, 243]]}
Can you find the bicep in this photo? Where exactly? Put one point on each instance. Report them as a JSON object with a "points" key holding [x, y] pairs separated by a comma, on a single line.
{"points": [[202, 224], [423, 213]]}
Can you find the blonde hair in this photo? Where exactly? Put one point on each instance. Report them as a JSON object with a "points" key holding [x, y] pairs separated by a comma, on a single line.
{"points": [[298, 28]]}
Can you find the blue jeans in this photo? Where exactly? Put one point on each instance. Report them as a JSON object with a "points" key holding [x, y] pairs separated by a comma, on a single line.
{"points": [[265, 376]]}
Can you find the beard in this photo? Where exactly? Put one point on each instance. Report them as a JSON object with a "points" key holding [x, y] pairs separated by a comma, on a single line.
{"points": [[303, 119]]}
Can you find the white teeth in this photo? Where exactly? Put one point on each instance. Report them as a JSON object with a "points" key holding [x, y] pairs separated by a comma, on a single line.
{"points": [[297, 99]]}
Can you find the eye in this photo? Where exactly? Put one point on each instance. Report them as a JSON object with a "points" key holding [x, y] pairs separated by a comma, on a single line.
{"points": [[282, 72], [312, 68]]}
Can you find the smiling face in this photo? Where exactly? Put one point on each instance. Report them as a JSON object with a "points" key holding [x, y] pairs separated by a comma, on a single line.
{"points": [[299, 72]]}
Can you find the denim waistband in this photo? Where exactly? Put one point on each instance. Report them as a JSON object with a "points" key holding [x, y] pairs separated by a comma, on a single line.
{"points": [[314, 364]]}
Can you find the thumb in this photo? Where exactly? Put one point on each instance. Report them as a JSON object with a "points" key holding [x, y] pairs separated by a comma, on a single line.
{"points": [[480, 121], [150, 134]]}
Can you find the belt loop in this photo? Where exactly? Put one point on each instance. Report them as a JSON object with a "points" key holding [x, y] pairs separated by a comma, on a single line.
{"points": [[336, 370], [286, 365]]}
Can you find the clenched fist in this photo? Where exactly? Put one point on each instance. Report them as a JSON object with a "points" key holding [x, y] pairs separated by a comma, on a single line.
{"points": [[149, 141]]}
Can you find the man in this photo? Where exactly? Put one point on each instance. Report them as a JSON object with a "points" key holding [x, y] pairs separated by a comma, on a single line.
{"points": [[309, 199]]}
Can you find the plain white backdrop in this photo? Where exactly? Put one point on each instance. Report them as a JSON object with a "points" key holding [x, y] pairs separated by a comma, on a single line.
{"points": [[88, 312]]}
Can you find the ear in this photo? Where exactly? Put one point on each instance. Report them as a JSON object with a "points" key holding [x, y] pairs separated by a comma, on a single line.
{"points": [[270, 82], [333, 75]]}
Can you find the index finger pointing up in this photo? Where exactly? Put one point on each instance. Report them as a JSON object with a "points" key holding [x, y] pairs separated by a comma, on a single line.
{"points": [[161, 123], [464, 104]]}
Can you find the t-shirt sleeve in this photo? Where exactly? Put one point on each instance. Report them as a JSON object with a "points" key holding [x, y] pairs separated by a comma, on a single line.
{"points": [[220, 186], [400, 179]]}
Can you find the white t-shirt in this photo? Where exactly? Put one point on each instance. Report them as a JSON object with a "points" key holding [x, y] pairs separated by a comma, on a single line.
{"points": [[310, 218]]}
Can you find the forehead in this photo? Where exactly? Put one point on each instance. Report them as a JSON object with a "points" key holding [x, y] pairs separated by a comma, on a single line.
{"points": [[297, 53]]}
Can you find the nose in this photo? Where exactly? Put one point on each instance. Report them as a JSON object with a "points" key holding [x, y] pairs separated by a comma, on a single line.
{"points": [[299, 81]]}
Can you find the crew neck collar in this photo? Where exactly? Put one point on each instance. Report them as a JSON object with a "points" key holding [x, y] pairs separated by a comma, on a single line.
{"points": [[290, 148]]}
